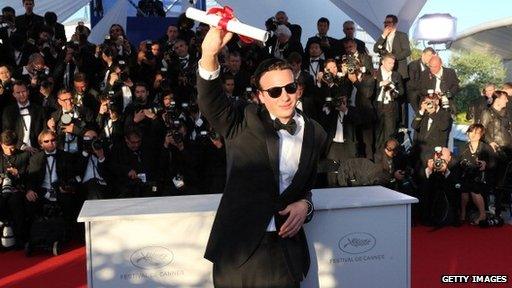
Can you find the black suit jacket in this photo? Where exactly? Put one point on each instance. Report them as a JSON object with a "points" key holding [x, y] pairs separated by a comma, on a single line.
{"points": [[361, 46], [24, 23], [329, 51], [449, 82], [439, 129], [413, 84], [251, 195], [350, 121], [12, 120], [401, 49], [399, 86], [65, 166]]}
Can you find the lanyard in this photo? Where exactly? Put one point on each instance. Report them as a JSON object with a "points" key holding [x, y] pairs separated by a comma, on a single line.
{"points": [[50, 168]]}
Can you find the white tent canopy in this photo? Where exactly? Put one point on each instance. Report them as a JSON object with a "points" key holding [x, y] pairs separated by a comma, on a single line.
{"points": [[368, 14], [63, 8]]}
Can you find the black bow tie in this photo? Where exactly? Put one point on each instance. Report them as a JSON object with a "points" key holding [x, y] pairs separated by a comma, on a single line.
{"points": [[291, 126], [315, 60], [26, 107], [48, 155]]}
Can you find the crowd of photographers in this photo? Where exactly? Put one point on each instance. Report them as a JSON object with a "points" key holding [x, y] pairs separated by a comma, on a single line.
{"points": [[83, 121]]}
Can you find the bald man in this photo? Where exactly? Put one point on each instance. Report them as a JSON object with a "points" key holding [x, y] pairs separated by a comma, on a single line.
{"points": [[440, 79]]}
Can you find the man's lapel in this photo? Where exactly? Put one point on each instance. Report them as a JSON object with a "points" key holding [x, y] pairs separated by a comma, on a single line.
{"points": [[272, 140]]}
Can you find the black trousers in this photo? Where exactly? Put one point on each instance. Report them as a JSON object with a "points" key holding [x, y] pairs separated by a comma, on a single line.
{"points": [[266, 268], [339, 152]]}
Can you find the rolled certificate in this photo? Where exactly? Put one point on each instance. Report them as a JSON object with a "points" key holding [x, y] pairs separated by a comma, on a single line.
{"points": [[232, 26]]}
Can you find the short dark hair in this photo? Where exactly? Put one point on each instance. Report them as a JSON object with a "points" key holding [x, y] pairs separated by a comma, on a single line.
{"points": [[63, 91], [19, 83], [323, 20], [227, 77], [393, 17], [80, 77], [8, 137], [133, 132], [294, 57], [8, 9], [140, 84], [50, 17], [475, 126], [429, 49], [498, 93], [267, 65], [388, 55]]}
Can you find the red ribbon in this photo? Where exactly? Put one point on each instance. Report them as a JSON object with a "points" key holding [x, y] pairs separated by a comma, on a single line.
{"points": [[226, 15]]}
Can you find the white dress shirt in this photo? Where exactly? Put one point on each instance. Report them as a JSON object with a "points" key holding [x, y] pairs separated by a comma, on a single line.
{"points": [[51, 169], [438, 76], [339, 137], [290, 146], [385, 98], [27, 121], [91, 172], [389, 41]]}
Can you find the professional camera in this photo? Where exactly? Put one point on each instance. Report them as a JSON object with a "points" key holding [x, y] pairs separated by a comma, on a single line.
{"points": [[7, 185], [445, 96], [334, 101], [174, 131], [391, 88], [352, 63], [438, 161], [210, 135], [90, 145], [149, 54], [271, 24], [471, 170], [381, 50]]}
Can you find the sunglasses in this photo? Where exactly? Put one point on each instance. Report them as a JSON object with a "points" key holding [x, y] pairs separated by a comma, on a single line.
{"points": [[50, 140], [388, 22], [275, 92]]}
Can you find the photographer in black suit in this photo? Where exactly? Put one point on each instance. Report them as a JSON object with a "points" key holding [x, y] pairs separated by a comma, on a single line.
{"points": [[388, 89], [13, 168], [327, 43], [26, 119], [257, 237], [29, 23], [394, 42], [416, 68], [51, 177], [92, 168]]}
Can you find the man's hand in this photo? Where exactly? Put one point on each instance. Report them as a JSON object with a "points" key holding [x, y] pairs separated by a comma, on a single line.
{"points": [[297, 213], [139, 116], [423, 107], [103, 107], [387, 31], [212, 45], [31, 196], [99, 153], [149, 114], [399, 175], [494, 146], [13, 171], [482, 164], [132, 174], [51, 124]]}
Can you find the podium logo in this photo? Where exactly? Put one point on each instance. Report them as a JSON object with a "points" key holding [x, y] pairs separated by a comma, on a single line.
{"points": [[357, 243], [152, 257]]}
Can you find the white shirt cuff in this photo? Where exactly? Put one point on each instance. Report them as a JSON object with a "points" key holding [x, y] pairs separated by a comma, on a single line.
{"points": [[208, 75]]}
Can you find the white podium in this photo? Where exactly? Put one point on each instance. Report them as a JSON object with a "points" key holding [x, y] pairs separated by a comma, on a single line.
{"points": [[359, 237]]}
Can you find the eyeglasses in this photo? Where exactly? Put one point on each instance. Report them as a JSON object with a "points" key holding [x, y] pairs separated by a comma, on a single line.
{"points": [[50, 140], [349, 28], [388, 22], [275, 92]]}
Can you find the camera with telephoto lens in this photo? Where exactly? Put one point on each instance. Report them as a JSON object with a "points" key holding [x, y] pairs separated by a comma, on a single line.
{"points": [[174, 131], [438, 161], [352, 63], [7, 185], [445, 99], [124, 74], [335, 101]]}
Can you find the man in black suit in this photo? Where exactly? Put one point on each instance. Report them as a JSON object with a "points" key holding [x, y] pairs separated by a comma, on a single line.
{"points": [[480, 104], [340, 123], [395, 42], [442, 80], [92, 168], [296, 30], [285, 44], [7, 30], [295, 60], [315, 61], [416, 68], [28, 23], [59, 34], [69, 122], [51, 177], [432, 126], [257, 239], [84, 95], [241, 77], [13, 168], [349, 28], [327, 43], [388, 88], [26, 119]]}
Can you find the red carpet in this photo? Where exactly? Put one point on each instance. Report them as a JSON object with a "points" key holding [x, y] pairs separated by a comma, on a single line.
{"points": [[466, 250]]}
